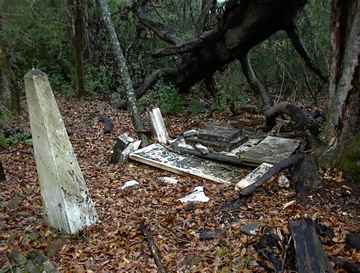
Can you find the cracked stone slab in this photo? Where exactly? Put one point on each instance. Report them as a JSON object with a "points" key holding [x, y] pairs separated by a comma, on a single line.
{"points": [[270, 150], [158, 156], [252, 177]]}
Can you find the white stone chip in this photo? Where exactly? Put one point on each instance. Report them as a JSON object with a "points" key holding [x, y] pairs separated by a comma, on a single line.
{"points": [[130, 184], [197, 196], [170, 180], [283, 181]]}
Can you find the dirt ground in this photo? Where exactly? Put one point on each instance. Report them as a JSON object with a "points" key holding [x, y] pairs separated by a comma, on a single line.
{"points": [[115, 244]]}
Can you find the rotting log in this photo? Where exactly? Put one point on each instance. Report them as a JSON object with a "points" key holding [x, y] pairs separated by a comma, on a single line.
{"points": [[310, 256], [154, 250]]}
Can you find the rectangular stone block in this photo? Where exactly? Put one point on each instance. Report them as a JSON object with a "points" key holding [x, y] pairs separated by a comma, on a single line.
{"points": [[65, 195]]}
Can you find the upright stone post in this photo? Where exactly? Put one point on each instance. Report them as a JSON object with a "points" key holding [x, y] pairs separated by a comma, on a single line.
{"points": [[66, 198]]}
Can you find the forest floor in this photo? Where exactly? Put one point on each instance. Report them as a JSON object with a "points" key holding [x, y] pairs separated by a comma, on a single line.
{"points": [[115, 243]]}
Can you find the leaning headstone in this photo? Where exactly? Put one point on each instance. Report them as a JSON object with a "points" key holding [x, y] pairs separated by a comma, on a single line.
{"points": [[158, 125], [65, 195]]}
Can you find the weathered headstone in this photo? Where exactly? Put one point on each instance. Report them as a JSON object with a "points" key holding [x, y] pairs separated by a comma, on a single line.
{"points": [[63, 188], [270, 150], [158, 125]]}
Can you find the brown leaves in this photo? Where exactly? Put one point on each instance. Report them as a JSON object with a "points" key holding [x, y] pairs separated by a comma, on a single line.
{"points": [[115, 244]]}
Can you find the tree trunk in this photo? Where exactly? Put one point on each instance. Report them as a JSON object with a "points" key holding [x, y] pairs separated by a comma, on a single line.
{"points": [[343, 130], [76, 15], [124, 73], [2, 173], [9, 91]]}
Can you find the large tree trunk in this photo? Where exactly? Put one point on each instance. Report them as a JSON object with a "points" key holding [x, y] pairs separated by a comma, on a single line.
{"points": [[124, 73], [77, 15], [9, 91], [343, 129]]}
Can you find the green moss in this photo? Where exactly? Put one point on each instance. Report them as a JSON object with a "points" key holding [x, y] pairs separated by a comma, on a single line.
{"points": [[350, 159]]}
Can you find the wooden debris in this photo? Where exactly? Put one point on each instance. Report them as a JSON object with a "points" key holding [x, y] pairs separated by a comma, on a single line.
{"points": [[310, 256], [158, 156], [270, 150], [158, 125], [145, 231]]}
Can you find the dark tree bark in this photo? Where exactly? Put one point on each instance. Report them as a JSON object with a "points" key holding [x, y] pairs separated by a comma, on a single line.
{"points": [[2, 173], [343, 129], [77, 10], [243, 25], [124, 73]]}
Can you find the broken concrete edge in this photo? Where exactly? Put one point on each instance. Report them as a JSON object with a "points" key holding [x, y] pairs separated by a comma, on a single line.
{"points": [[144, 156], [158, 125], [253, 176]]}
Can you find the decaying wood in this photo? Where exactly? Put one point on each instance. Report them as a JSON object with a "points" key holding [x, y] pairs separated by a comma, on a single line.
{"points": [[304, 121], [145, 231], [310, 256]]}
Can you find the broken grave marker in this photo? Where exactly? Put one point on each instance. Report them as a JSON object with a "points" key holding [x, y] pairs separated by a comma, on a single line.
{"points": [[66, 198], [158, 156]]}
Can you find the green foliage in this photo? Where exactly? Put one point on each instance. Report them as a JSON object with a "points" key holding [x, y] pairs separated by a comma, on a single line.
{"points": [[23, 138], [165, 96], [350, 159], [98, 79]]}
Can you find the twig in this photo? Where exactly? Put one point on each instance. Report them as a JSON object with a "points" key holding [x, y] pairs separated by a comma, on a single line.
{"points": [[145, 231], [285, 254]]}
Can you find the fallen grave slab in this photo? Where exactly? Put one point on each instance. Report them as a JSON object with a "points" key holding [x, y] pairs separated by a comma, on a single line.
{"points": [[158, 156], [232, 157], [270, 150]]}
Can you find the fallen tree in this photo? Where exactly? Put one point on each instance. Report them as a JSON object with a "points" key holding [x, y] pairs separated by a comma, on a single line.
{"points": [[242, 25]]}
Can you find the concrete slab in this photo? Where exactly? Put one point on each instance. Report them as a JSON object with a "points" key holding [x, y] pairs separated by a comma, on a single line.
{"points": [[160, 157]]}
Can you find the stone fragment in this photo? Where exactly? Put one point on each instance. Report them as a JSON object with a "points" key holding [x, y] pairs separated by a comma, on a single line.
{"points": [[158, 125], [252, 177], [65, 195], [283, 181], [196, 196], [270, 150], [130, 184], [250, 228], [168, 180]]}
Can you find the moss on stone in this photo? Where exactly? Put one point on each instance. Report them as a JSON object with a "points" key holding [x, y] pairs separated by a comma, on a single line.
{"points": [[350, 159]]}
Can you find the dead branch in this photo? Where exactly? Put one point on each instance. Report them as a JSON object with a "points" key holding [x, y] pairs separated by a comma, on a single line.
{"points": [[300, 49], [145, 231], [165, 33], [153, 78]]}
